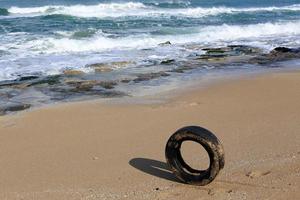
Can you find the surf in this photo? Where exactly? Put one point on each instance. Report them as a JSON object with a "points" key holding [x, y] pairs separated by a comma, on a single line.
{"points": [[104, 10]]}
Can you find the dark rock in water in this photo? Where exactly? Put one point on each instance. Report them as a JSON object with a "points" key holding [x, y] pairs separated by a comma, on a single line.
{"points": [[117, 64], [126, 80], [166, 62], [245, 50], [108, 84], [231, 50], [8, 83], [4, 12], [262, 59], [282, 49], [50, 80], [150, 76], [277, 54], [165, 43], [21, 85], [72, 72], [217, 50], [84, 85], [182, 69], [111, 94], [101, 67], [13, 107], [81, 85], [285, 50], [27, 78]]}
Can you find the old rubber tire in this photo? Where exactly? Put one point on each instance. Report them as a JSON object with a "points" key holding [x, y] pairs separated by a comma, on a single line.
{"points": [[181, 169]]}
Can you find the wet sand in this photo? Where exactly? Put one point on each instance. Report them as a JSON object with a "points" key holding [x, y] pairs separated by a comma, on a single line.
{"points": [[93, 150]]}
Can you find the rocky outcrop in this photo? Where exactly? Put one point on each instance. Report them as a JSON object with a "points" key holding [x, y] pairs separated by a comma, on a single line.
{"points": [[167, 62], [108, 67], [165, 43], [150, 76], [212, 54], [72, 72], [277, 54], [13, 107]]}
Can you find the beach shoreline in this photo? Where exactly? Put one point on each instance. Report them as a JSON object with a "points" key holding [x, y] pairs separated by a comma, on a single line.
{"points": [[96, 150]]}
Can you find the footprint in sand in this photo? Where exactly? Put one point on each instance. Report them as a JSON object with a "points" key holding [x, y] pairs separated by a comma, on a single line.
{"points": [[219, 191], [256, 174], [194, 104]]}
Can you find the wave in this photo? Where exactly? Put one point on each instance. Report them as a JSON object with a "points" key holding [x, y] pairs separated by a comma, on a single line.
{"points": [[103, 10], [202, 35], [3, 12], [170, 4]]}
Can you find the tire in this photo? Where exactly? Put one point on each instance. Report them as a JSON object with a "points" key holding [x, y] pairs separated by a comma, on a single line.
{"points": [[181, 169]]}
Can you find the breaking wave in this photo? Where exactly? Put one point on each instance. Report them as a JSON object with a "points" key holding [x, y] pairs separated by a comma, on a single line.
{"points": [[205, 35], [138, 9]]}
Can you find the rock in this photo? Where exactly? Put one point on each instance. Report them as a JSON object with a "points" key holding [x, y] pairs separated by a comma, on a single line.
{"points": [[108, 67], [150, 76], [217, 50], [50, 80], [193, 46], [166, 62], [85, 86], [281, 50], [3, 12], [231, 50], [72, 72], [277, 54], [81, 85], [27, 78], [286, 51], [212, 57], [165, 43], [182, 69], [245, 50], [108, 84], [126, 80], [101, 67], [13, 107], [122, 64], [21, 86], [89, 84]]}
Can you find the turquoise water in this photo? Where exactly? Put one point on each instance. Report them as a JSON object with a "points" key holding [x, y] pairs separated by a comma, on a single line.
{"points": [[47, 37]]}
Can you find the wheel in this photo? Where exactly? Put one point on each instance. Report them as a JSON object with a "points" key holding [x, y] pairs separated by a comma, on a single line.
{"points": [[181, 169]]}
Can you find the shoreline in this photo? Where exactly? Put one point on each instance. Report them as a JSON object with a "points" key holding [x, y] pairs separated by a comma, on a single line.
{"points": [[162, 97], [94, 150], [75, 85]]}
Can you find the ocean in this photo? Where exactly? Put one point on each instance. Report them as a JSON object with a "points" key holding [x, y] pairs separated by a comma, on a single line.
{"points": [[46, 38]]}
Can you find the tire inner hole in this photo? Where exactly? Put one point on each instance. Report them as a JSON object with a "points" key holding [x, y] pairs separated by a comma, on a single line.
{"points": [[195, 155]]}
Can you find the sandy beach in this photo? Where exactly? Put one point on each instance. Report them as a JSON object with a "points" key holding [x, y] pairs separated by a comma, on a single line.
{"points": [[94, 150]]}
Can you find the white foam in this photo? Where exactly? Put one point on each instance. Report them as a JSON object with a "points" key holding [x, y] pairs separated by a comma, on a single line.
{"points": [[137, 9], [56, 53], [205, 35]]}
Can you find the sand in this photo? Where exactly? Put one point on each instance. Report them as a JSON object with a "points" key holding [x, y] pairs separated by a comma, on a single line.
{"points": [[94, 150]]}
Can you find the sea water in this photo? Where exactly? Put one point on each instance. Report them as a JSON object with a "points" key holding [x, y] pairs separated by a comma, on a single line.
{"points": [[46, 37]]}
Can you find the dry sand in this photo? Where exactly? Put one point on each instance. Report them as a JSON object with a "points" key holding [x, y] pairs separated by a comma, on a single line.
{"points": [[91, 150]]}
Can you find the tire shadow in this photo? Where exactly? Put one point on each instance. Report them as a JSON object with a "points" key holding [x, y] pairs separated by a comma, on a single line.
{"points": [[154, 168]]}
